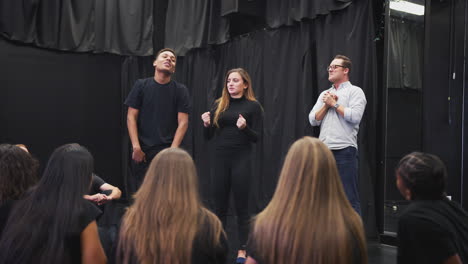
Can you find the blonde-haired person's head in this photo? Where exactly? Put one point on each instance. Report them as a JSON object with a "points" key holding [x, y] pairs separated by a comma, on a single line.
{"points": [[309, 219], [167, 213]]}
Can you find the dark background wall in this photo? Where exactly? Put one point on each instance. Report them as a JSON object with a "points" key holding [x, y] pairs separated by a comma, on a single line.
{"points": [[50, 98]]}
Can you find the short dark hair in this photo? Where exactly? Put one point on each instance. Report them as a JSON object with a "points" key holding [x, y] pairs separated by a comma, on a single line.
{"points": [[346, 61], [424, 175], [163, 50]]}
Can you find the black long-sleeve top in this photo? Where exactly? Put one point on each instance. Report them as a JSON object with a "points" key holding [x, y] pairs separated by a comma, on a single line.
{"points": [[228, 135]]}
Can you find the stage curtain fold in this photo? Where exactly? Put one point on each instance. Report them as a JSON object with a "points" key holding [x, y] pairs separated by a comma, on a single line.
{"points": [[114, 26]]}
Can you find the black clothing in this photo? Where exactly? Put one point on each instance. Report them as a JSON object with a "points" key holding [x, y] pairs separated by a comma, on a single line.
{"points": [[96, 184], [432, 231], [232, 164], [228, 135], [204, 251], [5, 209], [158, 105], [83, 218]]}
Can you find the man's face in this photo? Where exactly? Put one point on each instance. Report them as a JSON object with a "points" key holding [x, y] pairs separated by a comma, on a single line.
{"points": [[166, 62], [336, 71]]}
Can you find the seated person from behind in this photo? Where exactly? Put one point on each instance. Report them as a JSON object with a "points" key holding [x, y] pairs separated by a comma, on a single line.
{"points": [[102, 192], [432, 229]]}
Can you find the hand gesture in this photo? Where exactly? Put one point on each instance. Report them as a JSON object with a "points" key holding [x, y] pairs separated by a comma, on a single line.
{"points": [[138, 155], [329, 99], [206, 119], [241, 123], [97, 198]]}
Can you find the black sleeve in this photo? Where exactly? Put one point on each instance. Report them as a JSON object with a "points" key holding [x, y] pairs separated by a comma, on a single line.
{"points": [[423, 241], [89, 213], [134, 99], [96, 184], [208, 132], [183, 99], [254, 128]]}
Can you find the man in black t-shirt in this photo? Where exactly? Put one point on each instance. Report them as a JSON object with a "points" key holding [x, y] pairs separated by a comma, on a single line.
{"points": [[102, 192], [157, 118]]}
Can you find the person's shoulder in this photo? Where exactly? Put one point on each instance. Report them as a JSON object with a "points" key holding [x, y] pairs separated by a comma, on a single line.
{"points": [[179, 85]]}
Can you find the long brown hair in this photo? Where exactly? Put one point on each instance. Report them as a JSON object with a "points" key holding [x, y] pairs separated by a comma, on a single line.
{"points": [[309, 219], [222, 103], [167, 213]]}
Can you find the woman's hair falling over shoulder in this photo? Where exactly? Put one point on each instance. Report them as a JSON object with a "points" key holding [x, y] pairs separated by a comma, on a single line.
{"points": [[40, 223], [309, 219], [167, 213]]}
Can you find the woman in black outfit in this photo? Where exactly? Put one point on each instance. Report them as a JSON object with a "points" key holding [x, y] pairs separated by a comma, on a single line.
{"points": [[236, 121], [52, 223]]}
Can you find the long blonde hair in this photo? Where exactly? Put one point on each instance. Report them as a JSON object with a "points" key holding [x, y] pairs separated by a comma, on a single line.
{"points": [[167, 213], [222, 103], [309, 220]]}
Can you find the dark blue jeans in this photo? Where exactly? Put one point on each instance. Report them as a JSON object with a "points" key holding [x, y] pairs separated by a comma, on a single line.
{"points": [[347, 163]]}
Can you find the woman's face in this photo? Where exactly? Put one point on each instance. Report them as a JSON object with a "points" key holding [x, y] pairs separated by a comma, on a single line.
{"points": [[235, 85]]}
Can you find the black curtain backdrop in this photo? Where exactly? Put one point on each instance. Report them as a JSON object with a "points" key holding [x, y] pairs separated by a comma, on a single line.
{"points": [[195, 24], [288, 70], [51, 98], [286, 12], [115, 26]]}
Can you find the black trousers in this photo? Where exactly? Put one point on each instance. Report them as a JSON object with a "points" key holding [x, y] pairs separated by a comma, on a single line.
{"points": [[138, 170], [233, 173]]}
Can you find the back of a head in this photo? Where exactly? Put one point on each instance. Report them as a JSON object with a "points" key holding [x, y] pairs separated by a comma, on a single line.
{"points": [[424, 175], [51, 205], [309, 219], [18, 172], [166, 210]]}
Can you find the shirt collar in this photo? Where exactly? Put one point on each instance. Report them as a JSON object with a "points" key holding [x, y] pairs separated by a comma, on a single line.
{"points": [[343, 85]]}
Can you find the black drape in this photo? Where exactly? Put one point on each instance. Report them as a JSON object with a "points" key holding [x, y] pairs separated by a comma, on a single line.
{"points": [[50, 98], [193, 24], [286, 12], [288, 70], [116, 26]]}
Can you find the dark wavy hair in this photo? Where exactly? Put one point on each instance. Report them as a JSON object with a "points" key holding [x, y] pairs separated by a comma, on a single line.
{"points": [[18, 172], [424, 175], [39, 224]]}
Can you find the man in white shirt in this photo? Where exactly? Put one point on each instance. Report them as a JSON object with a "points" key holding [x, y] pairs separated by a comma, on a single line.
{"points": [[338, 112]]}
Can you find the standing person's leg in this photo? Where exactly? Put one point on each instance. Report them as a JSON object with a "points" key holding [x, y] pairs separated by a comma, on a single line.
{"points": [[241, 175], [347, 163], [221, 185]]}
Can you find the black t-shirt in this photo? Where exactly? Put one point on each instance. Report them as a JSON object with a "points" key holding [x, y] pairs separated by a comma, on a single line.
{"points": [[432, 231], [72, 244], [96, 184], [158, 105], [83, 218], [228, 135]]}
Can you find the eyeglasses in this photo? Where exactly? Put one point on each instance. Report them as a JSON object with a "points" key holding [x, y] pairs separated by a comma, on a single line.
{"points": [[333, 67]]}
